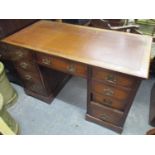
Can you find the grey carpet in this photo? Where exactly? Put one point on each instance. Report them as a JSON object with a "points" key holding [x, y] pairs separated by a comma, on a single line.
{"points": [[66, 114]]}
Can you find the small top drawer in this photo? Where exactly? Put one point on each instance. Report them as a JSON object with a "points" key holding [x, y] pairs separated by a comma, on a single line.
{"points": [[18, 53], [14, 53], [113, 78], [62, 64]]}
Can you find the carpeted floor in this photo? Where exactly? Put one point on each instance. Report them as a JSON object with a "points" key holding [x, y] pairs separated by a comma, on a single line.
{"points": [[66, 114]]}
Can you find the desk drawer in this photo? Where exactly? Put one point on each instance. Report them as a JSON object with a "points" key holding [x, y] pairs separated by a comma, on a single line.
{"points": [[26, 65], [32, 81], [108, 101], [64, 65], [110, 91], [105, 113], [113, 78], [18, 53]]}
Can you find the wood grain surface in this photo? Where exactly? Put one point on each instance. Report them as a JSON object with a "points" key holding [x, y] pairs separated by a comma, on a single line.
{"points": [[117, 51]]}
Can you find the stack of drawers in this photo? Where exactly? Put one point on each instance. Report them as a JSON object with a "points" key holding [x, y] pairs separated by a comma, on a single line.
{"points": [[110, 97], [28, 70], [26, 67], [39, 82]]}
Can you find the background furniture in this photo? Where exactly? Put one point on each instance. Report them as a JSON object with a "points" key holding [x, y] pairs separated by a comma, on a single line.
{"points": [[8, 125], [113, 24], [6, 89], [146, 27], [10, 26], [77, 21], [93, 54]]}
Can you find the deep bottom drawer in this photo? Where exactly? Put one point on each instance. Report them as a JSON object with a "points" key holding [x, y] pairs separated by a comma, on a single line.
{"points": [[35, 86], [32, 81], [105, 113]]}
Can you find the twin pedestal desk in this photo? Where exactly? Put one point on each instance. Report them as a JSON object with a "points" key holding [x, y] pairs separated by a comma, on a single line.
{"points": [[47, 53]]}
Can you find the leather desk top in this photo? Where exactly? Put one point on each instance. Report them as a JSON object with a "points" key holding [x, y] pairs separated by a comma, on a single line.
{"points": [[118, 51]]}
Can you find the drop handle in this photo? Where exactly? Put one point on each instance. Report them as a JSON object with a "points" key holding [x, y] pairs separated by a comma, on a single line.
{"points": [[46, 61], [108, 91], [104, 117], [28, 77], [107, 102], [18, 55], [23, 65], [111, 78], [71, 68]]}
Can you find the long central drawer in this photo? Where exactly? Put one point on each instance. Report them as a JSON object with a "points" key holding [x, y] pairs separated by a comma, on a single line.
{"points": [[62, 64]]}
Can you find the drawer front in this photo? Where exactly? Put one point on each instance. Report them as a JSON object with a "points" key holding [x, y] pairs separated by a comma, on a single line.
{"points": [[64, 65], [108, 101], [105, 113], [32, 82], [26, 66], [113, 78], [18, 53], [110, 91]]}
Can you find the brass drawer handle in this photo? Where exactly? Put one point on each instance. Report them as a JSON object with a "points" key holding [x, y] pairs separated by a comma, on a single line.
{"points": [[111, 78], [23, 65], [71, 68], [46, 61], [107, 102], [108, 91], [28, 77], [36, 87], [19, 54], [104, 117]]}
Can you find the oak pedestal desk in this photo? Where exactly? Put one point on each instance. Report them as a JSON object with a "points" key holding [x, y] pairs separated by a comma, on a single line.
{"points": [[47, 53]]}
